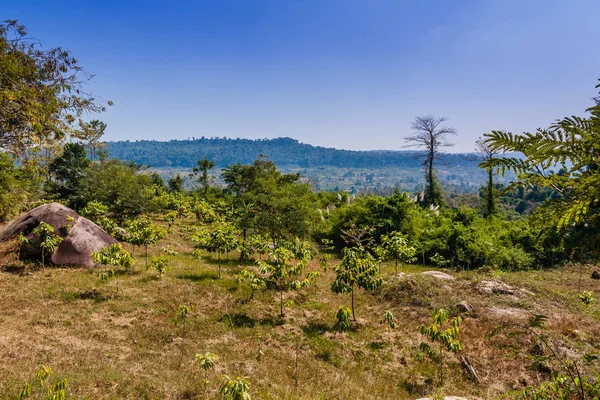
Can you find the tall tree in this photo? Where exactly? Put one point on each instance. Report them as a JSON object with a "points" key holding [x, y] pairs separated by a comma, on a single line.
{"points": [[176, 184], [486, 157], [120, 186], [202, 171], [67, 171], [269, 202], [41, 92], [91, 133], [13, 193], [430, 135]]}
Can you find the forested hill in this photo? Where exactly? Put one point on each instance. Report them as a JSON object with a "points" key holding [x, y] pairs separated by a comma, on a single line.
{"points": [[284, 152]]}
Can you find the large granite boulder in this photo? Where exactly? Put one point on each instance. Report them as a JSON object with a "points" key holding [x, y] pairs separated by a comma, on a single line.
{"points": [[81, 237]]}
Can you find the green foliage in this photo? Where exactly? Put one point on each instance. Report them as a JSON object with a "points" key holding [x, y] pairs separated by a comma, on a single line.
{"points": [[443, 332], [160, 264], [182, 314], [206, 361], [91, 133], [118, 185], [94, 209], [358, 269], [587, 298], [283, 151], [389, 319], [383, 214], [220, 239], [283, 270], [13, 192], [41, 90], [48, 241], [113, 255], [271, 203], [342, 317], [202, 171], [176, 184], [569, 144], [203, 211], [235, 389], [395, 246], [66, 172], [99, 213], [144, 232], [560, 386], [40, 389]]}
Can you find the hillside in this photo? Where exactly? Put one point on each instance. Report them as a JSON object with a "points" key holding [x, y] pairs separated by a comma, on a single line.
{"points": [[327, 168], [121, 342], [284, 152]]}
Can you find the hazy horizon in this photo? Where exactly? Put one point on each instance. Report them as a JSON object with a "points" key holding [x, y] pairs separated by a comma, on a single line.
{"points": [[337, 73]]}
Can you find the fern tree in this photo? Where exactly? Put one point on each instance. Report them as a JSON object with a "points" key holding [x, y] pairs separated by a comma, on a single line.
{"points": [[571, 145]]}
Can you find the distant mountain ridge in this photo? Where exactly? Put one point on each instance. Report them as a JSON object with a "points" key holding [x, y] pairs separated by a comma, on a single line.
{"points": [[284, 152]]}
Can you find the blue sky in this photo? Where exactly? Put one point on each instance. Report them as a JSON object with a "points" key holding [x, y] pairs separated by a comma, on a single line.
{"points": [[338, 73]]}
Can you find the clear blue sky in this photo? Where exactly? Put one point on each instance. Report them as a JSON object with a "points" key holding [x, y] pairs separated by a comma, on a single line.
{"points": [[341, 73]]}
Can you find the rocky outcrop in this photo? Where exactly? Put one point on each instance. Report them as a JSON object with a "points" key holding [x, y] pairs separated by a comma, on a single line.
{"points": [[81, 237]]}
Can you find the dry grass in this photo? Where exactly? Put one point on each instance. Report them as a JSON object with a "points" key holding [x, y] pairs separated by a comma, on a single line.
{"points": [[126, 346]]}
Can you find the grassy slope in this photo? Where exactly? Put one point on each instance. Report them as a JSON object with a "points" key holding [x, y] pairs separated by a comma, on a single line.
{"points": [[126, 345]]}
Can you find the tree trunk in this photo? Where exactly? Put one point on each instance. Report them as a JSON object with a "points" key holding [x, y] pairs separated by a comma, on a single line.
{"points": [[219, 258], [352, 295], [441, 367], [467, 366], [490, 194], [281, 303], [430, 189], [146, 257], [296, 371]]}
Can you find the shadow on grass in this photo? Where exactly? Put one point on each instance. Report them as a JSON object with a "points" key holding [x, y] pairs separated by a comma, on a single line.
{"points": [[91, 294], [15, 269], [316, 328], [150, 278], [231, 262], [238, 320], [242, 320], [200, 277]]}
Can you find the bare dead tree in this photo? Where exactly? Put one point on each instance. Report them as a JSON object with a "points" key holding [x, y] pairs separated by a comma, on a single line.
{"points": [[430, 134]]}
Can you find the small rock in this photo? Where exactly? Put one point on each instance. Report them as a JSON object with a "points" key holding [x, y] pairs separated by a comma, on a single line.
{"points": [[438, 275], [465, 307], [536, 350], [596, 274], [493, 287]]}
